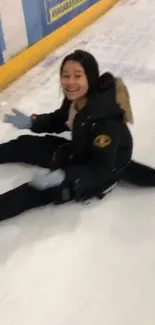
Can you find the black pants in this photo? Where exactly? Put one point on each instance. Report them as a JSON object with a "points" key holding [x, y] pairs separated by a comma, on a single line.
{"points": [[139, 174], [37, 150], [25, 197], [34, 150]]}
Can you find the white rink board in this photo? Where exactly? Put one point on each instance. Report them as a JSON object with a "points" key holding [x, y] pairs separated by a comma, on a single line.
{"points": [[14, 28], [78, 264]]}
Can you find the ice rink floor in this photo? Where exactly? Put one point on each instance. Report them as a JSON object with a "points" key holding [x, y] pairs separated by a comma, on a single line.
{"points": [[86, 264]]}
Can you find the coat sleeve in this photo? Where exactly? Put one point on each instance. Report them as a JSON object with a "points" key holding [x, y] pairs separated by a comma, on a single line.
{"points": [[51, 123], [105, 143]]}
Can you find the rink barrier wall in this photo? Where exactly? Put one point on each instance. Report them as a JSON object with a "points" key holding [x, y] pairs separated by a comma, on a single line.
{"points": [[27, 59]]}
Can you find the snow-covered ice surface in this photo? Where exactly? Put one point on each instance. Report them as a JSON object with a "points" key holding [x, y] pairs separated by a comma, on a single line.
{"points": [[78, 264]]}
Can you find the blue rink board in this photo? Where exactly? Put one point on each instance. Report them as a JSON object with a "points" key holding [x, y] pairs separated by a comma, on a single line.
{"points": [[38, 24]]}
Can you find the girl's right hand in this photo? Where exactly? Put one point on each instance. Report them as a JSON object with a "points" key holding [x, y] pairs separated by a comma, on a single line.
{"points": [[18, 120]]}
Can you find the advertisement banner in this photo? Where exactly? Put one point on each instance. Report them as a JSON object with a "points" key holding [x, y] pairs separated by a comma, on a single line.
{"points": [[58, 12]]}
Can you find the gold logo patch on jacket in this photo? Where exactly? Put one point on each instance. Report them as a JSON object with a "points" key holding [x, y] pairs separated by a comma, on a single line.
{"points": [[102, 141]]}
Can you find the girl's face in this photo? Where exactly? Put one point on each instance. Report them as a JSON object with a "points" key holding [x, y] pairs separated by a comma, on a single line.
{"points": [[74, 81]]}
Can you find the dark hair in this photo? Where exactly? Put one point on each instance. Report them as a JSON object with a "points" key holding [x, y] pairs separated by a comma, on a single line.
{"points": [[88, 63], [106, 81]]}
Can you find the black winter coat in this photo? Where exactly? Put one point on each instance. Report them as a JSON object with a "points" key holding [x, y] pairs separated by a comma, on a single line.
{"points": [[101, 141]]}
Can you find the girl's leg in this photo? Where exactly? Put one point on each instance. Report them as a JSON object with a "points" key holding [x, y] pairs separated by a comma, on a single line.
{"points": [[25, 197], [139, 174], [34, 150]]}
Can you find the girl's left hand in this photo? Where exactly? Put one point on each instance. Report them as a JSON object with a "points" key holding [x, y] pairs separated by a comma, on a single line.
{"points": [[48, 179]]}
